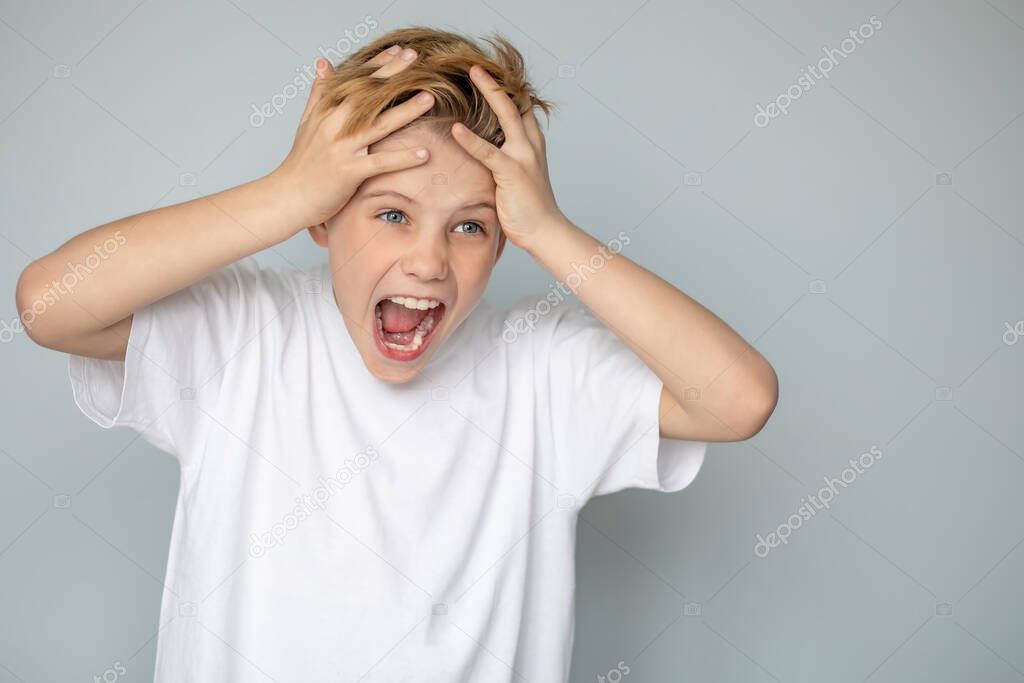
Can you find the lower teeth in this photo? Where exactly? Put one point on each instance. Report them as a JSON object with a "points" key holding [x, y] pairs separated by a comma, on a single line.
{"points": [[422, 329]]}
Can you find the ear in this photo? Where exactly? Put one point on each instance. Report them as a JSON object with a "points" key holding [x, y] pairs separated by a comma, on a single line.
{"points": [[319, 234], [501, 245]]}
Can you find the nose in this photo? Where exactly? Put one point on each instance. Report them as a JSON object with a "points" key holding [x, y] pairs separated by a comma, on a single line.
{"points": [[427, 256]]}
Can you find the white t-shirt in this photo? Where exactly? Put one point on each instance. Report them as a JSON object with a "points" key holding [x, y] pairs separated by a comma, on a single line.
{"points": [[334, 527]]}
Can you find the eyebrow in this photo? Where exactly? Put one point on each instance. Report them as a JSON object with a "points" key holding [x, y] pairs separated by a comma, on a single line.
{"points": [[410, 200]]}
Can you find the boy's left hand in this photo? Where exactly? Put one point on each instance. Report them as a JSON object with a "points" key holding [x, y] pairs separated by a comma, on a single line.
{"points": [[524, 200]]}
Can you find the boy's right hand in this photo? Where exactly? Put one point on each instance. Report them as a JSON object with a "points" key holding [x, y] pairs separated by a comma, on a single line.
{"points": [[322, 172]]}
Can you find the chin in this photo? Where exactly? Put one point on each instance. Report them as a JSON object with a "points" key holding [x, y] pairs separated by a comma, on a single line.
{"points": [[389, 372]]}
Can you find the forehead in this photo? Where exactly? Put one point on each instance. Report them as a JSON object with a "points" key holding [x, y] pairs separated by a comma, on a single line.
{"points": [[450, 175]]}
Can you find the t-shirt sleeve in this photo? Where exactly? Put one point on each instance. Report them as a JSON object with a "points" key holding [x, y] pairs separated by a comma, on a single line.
{"points": [[603, 402], [177, 351]]}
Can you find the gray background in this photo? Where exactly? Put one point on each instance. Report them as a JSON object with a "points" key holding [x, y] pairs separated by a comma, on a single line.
{"points": [[869, 243]]}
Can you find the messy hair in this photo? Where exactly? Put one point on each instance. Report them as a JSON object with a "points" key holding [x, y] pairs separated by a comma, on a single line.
{"points": [[442, 68]]}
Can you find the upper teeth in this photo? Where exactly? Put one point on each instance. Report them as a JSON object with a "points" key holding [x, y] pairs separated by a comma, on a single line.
{"points": [[412, 302]]}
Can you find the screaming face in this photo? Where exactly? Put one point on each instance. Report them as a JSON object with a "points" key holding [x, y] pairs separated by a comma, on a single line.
{"points": [[411, 253]]}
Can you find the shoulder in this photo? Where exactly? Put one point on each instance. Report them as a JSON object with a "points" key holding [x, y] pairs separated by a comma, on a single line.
{"points": [[247, 296], [531, 327], [247, 280], [248, 277], [541, 316]]}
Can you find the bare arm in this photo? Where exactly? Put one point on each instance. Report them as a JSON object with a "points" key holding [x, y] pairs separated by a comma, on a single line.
{"points": [[146, 257], [142, 258], [687, 346]]}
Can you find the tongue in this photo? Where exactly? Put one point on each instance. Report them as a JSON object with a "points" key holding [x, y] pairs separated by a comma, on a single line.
{"points": [[398, 318]]}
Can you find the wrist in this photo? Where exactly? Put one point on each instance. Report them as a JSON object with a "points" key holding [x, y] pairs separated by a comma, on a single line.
{"points": [[548, 234], [279, 193]]}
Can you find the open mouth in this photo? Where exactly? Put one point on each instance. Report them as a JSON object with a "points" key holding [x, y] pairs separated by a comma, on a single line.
{"points": [[405, 325]]}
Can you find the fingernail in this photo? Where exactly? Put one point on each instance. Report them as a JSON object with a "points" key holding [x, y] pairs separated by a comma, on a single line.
{"points": [[421, 153], [408, 54], [424, 97], [394, 49]]}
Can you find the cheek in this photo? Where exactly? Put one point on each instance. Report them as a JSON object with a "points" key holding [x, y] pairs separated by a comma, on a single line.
{"points": [[360, 256], [349, 233], [360, 245], [473, 268]]}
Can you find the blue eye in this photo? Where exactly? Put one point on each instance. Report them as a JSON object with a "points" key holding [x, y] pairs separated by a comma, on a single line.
{"points": [[390, 211], [479, 228]]}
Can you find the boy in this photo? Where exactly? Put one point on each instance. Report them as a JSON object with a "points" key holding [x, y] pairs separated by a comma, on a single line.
{"points": [[380, 473]]}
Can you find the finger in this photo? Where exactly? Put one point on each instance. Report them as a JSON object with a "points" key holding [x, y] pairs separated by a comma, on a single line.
{"points": [[385, 56], [532, 128], [323, 69], [385, 162], [490, 156], [396, 64], [501, 103], [394, 118]]}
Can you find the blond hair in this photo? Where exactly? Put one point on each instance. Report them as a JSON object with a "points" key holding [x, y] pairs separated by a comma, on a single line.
{"points": [[442, 68]]}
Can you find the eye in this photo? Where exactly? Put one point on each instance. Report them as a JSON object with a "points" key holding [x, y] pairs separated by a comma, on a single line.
{"points": [[479, 228], [389, 212]]}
